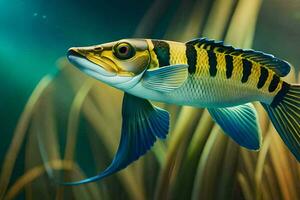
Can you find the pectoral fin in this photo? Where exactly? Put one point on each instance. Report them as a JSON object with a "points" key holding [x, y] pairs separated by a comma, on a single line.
{"points": [[165, 79], [142, 124], [240, 123]]}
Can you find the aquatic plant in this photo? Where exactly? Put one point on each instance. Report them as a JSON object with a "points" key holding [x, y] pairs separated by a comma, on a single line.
{"points": [[70, 128]]}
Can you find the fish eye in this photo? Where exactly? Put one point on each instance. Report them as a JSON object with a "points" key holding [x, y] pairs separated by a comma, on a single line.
{"points": [[123, 51]]}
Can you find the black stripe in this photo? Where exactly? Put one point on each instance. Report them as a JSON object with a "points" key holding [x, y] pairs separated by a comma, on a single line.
{"points": [[274, 83], [247, 65], [162, 51], [212, 60], [281, 94], [229, 65], [264, 73], [191, 55]]}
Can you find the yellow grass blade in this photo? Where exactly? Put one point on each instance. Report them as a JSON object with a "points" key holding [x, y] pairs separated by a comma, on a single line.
{"points": [[19, 134], [73, 120], [210, 160], [187, 120]]}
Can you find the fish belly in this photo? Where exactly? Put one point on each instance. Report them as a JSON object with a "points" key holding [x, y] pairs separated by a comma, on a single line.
{"points": [[214, 92]]}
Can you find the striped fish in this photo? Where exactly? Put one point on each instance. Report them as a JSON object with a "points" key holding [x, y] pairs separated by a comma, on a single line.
{"points": [[200, 73]]}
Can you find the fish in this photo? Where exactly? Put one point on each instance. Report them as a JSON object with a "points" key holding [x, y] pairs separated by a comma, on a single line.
{"points": [[202, 73]]}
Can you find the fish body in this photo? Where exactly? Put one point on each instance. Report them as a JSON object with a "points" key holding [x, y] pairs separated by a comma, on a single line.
{"points": [[200, 73], [215, 79]]}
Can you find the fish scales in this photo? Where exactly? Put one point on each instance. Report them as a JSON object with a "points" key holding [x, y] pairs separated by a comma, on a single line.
{"points": [[220, 79]]}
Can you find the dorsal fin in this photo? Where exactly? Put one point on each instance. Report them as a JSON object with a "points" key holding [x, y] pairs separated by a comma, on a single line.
{"points": [[280, 67]]}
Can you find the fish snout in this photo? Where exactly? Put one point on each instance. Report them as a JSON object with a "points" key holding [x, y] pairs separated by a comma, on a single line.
{"points": [[84, 51], [89, 60], [73, 51]]}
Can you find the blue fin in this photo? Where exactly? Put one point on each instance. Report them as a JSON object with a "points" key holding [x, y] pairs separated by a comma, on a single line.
{"points": [[240, 123], [142, 123], [166, 78], [284, 113]]}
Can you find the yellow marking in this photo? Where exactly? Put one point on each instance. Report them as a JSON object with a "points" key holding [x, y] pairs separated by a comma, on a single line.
{"points": [[150, 44], [202, 64], [237, 72], [265, 88], [153, 58], [221, 65], [177, 53], [255, 74]]}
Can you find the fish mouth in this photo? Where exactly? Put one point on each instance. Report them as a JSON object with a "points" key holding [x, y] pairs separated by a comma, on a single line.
{"points": [[73, 52], [87, 63], [96, 68]]}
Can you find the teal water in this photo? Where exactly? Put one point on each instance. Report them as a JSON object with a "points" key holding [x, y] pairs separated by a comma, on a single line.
{"points": [[35, 33]]}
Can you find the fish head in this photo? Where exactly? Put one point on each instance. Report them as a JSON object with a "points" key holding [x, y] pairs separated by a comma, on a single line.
{"points": [[120, 64]]}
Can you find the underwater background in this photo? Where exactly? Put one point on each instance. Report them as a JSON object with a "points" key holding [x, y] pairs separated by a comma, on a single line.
{"points": [[55, 119]]}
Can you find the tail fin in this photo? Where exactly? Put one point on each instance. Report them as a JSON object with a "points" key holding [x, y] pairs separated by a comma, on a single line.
{"points": [[284, 113]]}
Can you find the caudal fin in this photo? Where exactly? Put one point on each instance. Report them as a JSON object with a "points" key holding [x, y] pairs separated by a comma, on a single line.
{"points": [[284, 113]]}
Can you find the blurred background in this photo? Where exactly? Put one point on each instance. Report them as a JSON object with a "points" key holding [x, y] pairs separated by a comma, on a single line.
{"points": [[51, 113]]}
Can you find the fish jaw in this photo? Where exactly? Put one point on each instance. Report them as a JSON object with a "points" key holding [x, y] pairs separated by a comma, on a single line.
{"points": [[100, 72], [82, 63]]}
